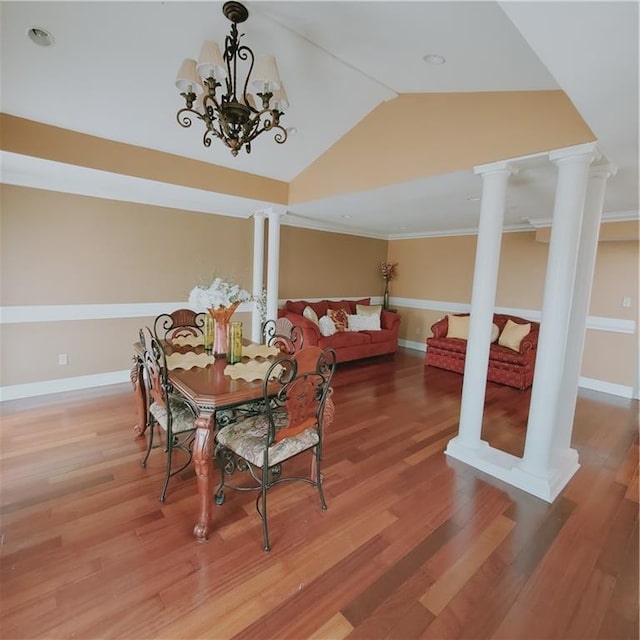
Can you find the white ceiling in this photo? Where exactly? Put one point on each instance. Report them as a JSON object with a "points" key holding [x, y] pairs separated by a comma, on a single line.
{"points": [[112, 69]]}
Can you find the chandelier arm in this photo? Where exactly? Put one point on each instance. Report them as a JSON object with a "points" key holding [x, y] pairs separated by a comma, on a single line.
{"points": [[245, 53], [183, 117]]}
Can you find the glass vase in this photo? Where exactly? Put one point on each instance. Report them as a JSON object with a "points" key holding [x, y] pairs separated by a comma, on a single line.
{"points": [[385, 299], [234, 352], [222, 316]]}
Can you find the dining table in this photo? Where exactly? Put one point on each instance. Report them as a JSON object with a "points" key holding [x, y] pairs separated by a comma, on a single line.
{"points": [[214, 386]]}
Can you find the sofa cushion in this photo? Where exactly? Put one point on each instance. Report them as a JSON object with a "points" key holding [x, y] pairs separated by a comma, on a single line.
{"points": [[384, 335], [341, 305], [458, 326], [327, 328], [297, 306], [348, 305], [512, 334], [310, 314], [344, 339], [457, 345], [364, 323], [368, 309], [340, 318], [499, 353]]}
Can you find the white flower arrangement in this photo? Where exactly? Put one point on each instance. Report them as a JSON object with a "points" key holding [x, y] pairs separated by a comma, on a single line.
{"points": [[220, 293]]}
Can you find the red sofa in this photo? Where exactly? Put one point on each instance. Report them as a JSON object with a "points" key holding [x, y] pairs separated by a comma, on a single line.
{"points": [[348, 345], [513, 368]]}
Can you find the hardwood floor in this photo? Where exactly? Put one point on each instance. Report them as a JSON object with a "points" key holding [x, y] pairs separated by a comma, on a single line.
{"points": [[413, 544]]}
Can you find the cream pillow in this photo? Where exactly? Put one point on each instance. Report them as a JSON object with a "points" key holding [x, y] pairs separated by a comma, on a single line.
{"points": [[327, 328], [361, 322], [310, 314], [495, 332], [368, 309], [458, 327], [512, 334]]}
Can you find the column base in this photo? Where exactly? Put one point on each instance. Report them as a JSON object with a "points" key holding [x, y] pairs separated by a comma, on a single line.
{"points": [[508, 468]]}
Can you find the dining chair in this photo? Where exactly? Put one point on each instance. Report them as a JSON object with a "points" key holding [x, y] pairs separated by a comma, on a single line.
{"points": [[295, 391], [170, 411], [284, 335], [178, 323]]}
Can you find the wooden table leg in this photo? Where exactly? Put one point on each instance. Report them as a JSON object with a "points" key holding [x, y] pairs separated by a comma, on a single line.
{"points": [[140, 393], [203, 463]]}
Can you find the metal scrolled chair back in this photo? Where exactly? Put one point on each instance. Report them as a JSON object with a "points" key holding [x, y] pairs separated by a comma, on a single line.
{"points": [[174, 413], [284, 335], [179, 323]]}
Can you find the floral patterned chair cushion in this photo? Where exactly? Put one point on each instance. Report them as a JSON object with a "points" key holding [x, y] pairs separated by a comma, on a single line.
{"points": [[247, 438], [182, 416]]}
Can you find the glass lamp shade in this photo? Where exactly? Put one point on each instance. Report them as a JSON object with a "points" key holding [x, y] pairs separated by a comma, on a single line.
{"points": [[187, 80], [210, 63], [265, 76]]}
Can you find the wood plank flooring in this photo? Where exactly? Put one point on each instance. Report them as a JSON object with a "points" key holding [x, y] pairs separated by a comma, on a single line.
{"points": [[413, 544]]}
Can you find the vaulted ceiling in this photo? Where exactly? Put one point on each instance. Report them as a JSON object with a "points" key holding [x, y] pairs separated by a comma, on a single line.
{"points": [[385, 142]]}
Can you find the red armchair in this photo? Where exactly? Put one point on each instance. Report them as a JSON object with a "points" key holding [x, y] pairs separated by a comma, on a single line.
{"points": [[506, 366]]}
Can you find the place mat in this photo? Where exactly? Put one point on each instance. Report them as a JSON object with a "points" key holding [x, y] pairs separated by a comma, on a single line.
{"points": [[187, 341], [259, 351], [189, 360], [251, 370]]}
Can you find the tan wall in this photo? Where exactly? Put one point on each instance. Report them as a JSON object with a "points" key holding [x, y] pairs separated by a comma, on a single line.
{"points": [[418, 135], [441, 269], [63, 249], [52, 143], [318, 264]]}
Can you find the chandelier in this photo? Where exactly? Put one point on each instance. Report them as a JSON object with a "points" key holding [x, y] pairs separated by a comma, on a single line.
{"points": [[234, 114]]}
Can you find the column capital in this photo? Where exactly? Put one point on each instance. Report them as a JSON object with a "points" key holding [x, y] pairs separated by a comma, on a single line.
{"points": [[603, 170], [502, 166], [260, 213], [588, 151]]}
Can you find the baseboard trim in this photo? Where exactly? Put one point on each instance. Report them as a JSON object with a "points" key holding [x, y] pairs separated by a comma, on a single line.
{"points": [[45, 387], [608, 387]]}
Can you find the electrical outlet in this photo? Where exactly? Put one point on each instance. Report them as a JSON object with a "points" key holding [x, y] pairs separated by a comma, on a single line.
{"points": [[63, 359], [626, 302]]}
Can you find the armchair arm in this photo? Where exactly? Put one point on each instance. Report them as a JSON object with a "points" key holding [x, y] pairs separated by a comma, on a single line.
{"points": [[529, 344], [389, 320], [440, 328], [310, 331]]}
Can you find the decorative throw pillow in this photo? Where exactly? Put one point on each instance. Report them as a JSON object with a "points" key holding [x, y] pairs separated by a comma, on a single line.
{"points": [[458, 326], [327, 328], [512, 334], [310, 314], [364, 323], [369, 309], [340, 319], [345, 305], [495, 332]]}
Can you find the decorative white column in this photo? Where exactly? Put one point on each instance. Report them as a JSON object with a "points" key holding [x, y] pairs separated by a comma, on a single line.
{"points": [[587, 250], [258, 273], [494, 188], [573, 172], [273, 263]]}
